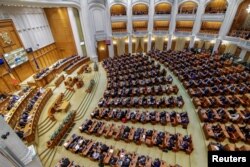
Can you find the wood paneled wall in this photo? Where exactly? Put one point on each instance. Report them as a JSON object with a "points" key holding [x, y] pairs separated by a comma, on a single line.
{"points": [[44, 56], [61, 29], [102, 50]]}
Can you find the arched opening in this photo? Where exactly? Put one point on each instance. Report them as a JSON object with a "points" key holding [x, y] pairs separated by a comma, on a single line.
{"points": [[118, 10], [188, 8], [216, 6], [241, 24], [163, 8], [140, 9]]}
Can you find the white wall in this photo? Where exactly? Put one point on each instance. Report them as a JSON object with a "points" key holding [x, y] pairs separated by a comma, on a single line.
{"points": [[31, 24]]}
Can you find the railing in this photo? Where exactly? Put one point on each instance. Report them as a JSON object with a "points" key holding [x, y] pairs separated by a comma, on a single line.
{"points": [[162, 17], [140, 17], [182, 33], [206, 36], [118, 18], [185, 16], [140, 32], [160, 32], [119, 34], [213, 17]]}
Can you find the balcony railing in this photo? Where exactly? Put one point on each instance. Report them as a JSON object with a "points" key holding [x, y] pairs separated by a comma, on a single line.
{"points": [[119, 18], [182, 33], [160, 32], [140, 17], [120, 34], [162, 17], [185, 16], [206, 36], [213, 17]]}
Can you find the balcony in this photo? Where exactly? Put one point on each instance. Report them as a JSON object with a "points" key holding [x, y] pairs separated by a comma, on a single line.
{"points": [[160, 32], [206, 36], [238, 41], [140, 32], [118, 18], [213, 17], [119, 34], [185, 16], [182, 33], [140, 17], [162, 17]]}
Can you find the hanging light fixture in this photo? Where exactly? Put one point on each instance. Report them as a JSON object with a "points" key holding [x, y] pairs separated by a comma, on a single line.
{"points": [[248, 9]]}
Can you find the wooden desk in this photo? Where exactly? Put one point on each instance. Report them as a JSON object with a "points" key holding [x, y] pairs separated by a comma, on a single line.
{"points": [[30, 128], [77, 64], [13, 115]]}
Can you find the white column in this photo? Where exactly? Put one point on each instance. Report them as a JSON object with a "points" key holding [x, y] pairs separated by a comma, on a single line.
{"points": [[192, 41], [149, 41], [172, 25], [243, 53], [129, 25], [174, 12], [13, 149], [89, 37], [216, 45], [75, 31], [229, 17], [109, 32], [199, 13], [169, 42], [150, 23]]}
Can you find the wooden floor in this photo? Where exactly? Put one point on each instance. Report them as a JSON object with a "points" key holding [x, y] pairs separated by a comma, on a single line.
{"points": [[85, 103]]}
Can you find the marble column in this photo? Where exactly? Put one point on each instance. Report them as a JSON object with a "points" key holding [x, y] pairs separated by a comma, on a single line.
{"points": [[75, 31], [14, 151], [129, 25], [243, 53], [150, 23]]}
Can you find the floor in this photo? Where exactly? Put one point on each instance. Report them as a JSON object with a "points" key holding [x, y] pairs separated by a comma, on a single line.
{"points": [[84, 104]]}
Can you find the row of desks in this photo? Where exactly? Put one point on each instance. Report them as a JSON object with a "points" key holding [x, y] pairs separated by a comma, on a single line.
{"points": [[47, 77], [12, 116], [30, 128]]}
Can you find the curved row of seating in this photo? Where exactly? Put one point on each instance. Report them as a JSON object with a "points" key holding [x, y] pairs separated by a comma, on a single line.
{"points": [[164, 140], [145, 102], [135, 116], [108, 155], [139, 91]]}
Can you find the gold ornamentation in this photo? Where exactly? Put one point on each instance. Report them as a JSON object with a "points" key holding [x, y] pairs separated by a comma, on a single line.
{"points": [[6, 38]]}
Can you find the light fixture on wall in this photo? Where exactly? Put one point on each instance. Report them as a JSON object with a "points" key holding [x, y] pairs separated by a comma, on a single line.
{"points": [[196, 39], [248, 9], [224, 42], [114, 42], [102, 48], [133, 40], [166, 39], [145, 40], [82, 43], [153, 38]]}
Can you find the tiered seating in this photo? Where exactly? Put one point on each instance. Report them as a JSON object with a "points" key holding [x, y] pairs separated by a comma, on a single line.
{"points": [[220, 91], [212, 146], [163, 140], [108, 155], [153, 117], [26, 127], [145, 102], [233, 132], [16, 105], [69, 69]]}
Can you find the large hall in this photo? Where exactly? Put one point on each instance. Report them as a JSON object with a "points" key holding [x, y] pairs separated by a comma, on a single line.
{"points": [[124, 83]]}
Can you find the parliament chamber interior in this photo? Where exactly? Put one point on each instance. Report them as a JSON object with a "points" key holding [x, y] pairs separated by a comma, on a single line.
{"points": [[123, 83]]}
